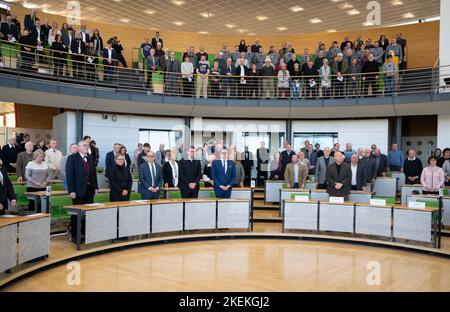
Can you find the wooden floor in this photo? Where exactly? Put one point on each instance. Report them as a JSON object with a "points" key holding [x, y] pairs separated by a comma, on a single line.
{"points": [[248, 265]]}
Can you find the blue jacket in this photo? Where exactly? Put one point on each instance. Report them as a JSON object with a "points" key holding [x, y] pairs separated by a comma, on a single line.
{"points": [[218, 175], [109, 163], [145, 178]]}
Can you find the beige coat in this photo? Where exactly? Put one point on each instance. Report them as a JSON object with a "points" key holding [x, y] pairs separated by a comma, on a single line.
{"points": [[289, 174]]}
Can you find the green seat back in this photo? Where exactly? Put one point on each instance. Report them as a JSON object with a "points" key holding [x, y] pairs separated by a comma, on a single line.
{"points": [[13, 178], [135, 196], [430, 203], [20, 191], [101, 198], [57, 204], [57, 187], [301, 194], [212, 194], [174, 194]]}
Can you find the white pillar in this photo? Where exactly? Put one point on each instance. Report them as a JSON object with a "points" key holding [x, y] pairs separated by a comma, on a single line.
{"points": [[64, 129], [444, 42], [443, 139]]}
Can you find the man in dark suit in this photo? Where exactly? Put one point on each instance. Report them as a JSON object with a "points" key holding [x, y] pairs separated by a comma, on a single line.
{"points": [[109, 60], [84, 34], [110, 159], [190, 173], [150, 178], [369, 165], [92, 150], [262, 158], [8, 29], [339, 177], [38, 34], [9, 154], [381, 162], [30, 19], [247, 164], [157, 39], [286, 158], [223, 174], [81, 179], [78, 48], [359, 179], [6, 192]]}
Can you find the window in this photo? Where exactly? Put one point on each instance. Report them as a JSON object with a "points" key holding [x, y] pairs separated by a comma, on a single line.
{"points": [[324, 139], [169, 138]]}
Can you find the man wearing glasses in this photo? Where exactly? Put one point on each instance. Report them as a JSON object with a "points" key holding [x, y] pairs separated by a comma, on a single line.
{"points": [[150, 178]]}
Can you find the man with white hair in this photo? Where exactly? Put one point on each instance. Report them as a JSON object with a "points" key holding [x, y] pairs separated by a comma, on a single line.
{"points": [[9, 154], [268, 72], [339, 177], [23, 158], [321, 168], [54, 157]]}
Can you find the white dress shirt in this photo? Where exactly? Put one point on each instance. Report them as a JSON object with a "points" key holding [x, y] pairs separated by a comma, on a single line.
{"points": [[354, 172]]}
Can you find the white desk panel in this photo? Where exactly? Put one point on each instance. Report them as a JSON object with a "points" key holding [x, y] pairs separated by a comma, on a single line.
{"points": [[101, 225], [300, 216], [167, 217], [412, 225], [373, 220], [335, 217], [134, 220], [233, 215]]}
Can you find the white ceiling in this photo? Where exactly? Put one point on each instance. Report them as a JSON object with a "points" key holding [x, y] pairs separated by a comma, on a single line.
{"points": [[238, 16]]}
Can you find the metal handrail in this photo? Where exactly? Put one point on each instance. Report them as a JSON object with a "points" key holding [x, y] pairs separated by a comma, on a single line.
{"points": [[137, 80]]}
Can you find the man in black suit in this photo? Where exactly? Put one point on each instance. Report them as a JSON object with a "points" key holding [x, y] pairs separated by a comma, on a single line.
{"points": [[381, 162], [247, 164], [369, 165], [110, 159], [190, 173], [286, 158], [262, 158], [9, 154], [8, 29], [157, 39], [38, 34], [30, 19], [359, 179], [92, 150], [339, 177], [78, 48], [81, 179], [84, 34], [6, 191]]}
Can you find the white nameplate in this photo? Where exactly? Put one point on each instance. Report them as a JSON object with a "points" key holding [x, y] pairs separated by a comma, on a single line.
{"points": [[412, 204], [336, 200], [252, 183], [378, 202], [301, 198]]}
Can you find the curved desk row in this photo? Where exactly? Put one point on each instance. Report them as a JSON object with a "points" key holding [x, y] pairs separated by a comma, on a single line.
{"points": [[393, 222], [433, 201], [114, 220], [23, 238], [208, 192]]}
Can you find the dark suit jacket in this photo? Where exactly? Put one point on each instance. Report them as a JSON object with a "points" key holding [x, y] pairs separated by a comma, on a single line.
{"points": [[120, 180], [218, 173], [189, 172], [145, 178], [6, 190], [383, 165], [113, 56], [76, 176], [42, 37], [11, 30], [285, 160], [167, 174], [361, 179], [109, 163], [154, 43], [28, 22], [9, 156], [370, 168], [74, 46], [344, 177], [247, 164]]}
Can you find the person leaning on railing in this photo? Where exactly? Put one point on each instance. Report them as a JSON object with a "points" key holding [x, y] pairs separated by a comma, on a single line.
{"points": [[59, 51]]}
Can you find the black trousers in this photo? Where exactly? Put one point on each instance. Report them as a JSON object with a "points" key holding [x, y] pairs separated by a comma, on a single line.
{"points": [[88, 198], [115, 197], [77, 66], [370, 81], [31, 202], [248, 176], [188, 87], [323, 186], [189, 193], [5, 206], [261, 177], [122, 61], [416, 181], [430, 193]]}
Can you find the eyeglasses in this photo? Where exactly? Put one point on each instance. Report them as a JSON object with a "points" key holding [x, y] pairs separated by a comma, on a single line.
{"points": [[120, 159]]}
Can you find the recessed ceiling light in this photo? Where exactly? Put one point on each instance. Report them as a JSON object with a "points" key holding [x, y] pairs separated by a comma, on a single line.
{"points": [[150, 12], [281, 28], [296, 8], [30, 5], [261, 18], [48, 11], [178, 23], [346, 6], [251, 34], [124, 20], [206, 14], [408, 15], [230, 25], [396, 2], [331, 30], [367, 24], [353, 12], [337, 0], [241, 30], [178, 2], [203, 32], [117, 0], [315, 20]]}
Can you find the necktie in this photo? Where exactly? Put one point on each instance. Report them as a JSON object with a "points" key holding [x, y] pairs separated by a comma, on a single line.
{"points": [[225, 166], [1, 178], [152, 167]]}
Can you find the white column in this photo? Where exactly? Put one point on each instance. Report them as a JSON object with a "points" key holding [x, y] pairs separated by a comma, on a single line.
{"points": [[444, 43], [443, 139], [64, 129]]}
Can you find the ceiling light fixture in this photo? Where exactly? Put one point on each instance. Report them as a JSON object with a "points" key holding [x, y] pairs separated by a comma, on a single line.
{"points": [[230, 25], [261, 18], [124, 20], [281, 28], [206, 14], [331, 30], [396, 2], [178, 2], [367, 24], [315, 20], [150, 12], [346, 6], [353, 12], [408, 15], [203, 32], [296, 8], [178, 23]]}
